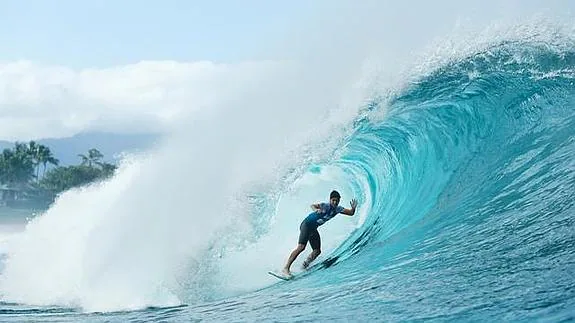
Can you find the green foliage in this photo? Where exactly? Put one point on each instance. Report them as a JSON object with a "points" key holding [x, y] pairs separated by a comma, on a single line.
{"points": [[16, 165], [90, 170], [63, 178], [20, 169], [43, 156]]}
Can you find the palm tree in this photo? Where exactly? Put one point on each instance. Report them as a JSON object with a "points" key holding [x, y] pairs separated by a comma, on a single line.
{"points": [[33, 150], [94, 157], [44, 157], [17, 166]]}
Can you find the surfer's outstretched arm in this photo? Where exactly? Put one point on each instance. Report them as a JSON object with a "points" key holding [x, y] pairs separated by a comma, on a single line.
{"points": [[351, 211]]}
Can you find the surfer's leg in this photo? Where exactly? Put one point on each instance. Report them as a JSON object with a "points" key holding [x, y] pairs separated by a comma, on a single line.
{"points": [[315, 242], [292, 257], [304, 232]]}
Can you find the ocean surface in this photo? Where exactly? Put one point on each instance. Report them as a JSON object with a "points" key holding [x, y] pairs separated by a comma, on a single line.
{"points": [[466, 213]]}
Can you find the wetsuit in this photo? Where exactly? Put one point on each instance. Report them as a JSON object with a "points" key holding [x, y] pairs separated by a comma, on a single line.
{"points": [[308, 227]]}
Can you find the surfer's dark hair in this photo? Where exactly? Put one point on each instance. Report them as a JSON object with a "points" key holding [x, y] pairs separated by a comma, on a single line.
{"points": [[334, 194]]}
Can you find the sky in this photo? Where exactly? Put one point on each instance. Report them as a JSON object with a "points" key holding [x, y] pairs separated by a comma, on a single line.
{"points": [[68, 67], [103, 33]]}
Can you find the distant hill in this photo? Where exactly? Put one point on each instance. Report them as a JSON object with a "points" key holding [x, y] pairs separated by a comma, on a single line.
{"points": [[109, 144]]}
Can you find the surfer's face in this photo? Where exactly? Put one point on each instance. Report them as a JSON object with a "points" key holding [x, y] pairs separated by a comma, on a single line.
{"points": [[334, 201]]}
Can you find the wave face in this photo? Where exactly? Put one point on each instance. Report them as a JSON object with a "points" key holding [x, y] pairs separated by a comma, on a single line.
{"points": [[466, 201], [471, 180]]}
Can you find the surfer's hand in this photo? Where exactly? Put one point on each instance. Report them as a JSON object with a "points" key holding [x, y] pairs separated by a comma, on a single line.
{"points": [[353, 203]]}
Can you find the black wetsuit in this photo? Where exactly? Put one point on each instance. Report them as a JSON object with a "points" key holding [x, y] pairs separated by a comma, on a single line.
{"points": [[308, 227]]}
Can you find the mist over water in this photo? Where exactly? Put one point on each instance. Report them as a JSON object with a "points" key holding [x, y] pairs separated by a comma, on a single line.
{"points": [[152, 235]]}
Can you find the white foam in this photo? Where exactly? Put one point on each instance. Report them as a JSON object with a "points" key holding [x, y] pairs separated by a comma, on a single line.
{"points": [[141, 238]]}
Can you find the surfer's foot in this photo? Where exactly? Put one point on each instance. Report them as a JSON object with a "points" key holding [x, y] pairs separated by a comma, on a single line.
{"points": [[286, 272], [305, 265]]}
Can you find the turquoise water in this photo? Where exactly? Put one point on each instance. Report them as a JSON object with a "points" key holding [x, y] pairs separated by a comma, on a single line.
{"points": [[467, 183]]}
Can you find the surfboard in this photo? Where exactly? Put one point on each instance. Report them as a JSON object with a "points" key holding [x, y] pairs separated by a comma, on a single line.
{"points": [[280, 276]]}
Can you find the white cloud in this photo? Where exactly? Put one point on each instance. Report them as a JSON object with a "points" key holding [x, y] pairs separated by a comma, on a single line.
{"points": [[39, 101]]}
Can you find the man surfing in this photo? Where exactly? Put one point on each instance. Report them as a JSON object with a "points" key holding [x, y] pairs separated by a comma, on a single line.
{"points": [[322, 212]]}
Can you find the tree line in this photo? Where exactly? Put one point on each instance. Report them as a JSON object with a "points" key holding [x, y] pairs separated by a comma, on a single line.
{"points": [[25, 168]]}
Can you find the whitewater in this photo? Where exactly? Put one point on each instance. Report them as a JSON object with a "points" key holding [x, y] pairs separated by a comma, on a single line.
{"points": [[463, 169]]}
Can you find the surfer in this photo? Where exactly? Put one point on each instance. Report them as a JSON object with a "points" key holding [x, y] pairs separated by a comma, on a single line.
{"points": [[322, 212]]}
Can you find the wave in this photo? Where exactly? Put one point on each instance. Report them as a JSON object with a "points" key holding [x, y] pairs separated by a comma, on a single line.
{"points": [[468, 176]]}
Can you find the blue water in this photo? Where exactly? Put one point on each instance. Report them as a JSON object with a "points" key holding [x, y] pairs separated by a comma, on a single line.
{"points": [[467, 181]]}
